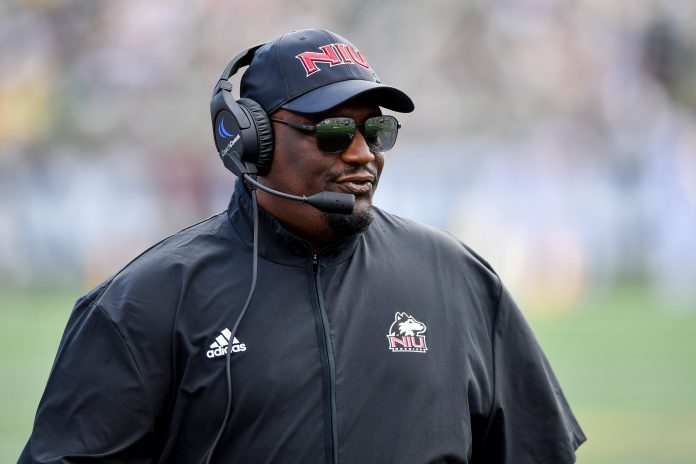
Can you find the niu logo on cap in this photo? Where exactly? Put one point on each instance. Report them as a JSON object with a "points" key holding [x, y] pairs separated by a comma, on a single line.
{"points": [[334, 54], [405, 334]]}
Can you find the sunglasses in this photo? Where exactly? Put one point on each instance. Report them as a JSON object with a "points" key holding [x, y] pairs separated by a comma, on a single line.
{"points": [[334, 135]]}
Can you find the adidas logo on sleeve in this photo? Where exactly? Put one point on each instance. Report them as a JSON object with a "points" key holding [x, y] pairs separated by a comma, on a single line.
{"points": [[222, 343]]}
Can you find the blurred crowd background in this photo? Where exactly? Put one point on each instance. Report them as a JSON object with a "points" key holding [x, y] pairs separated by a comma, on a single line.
{"points": [[558, 139]]}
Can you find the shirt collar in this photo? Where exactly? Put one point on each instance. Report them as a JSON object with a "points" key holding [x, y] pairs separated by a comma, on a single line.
{"points": [[276, 243]]}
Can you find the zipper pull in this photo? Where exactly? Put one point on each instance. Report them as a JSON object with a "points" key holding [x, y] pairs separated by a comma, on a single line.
{"points": [[315, 262]]}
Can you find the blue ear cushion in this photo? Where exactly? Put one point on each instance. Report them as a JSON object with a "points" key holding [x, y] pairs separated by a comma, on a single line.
{"points": [[264, 133]]}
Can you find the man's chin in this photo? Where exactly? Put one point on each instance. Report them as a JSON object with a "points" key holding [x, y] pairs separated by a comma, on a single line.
{"points": [[348, 225]]}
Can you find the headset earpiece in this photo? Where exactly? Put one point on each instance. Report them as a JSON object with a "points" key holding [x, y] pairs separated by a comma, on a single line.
{"points": [[264, 135], [241, 128]]}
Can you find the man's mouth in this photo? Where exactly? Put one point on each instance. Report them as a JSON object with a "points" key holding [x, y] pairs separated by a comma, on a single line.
{"points": [[357, 184]]}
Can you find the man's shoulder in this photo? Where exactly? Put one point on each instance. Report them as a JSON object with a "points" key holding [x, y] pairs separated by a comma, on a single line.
{"points": [[189, 246], [161, 271], [408, 236]]}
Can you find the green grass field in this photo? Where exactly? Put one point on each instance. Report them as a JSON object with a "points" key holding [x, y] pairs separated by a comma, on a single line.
{"points": [[626, 365]]}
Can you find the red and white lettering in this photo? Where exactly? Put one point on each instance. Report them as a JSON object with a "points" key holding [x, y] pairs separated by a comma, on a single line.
{"points": [[309, 59], [334, 54], [407, 343]]}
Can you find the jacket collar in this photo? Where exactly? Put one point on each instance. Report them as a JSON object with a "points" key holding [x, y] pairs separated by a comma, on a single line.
{"points": [[276, 243]]}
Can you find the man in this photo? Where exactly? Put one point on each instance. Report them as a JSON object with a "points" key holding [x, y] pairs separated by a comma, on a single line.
{"points": [[356, 338]]}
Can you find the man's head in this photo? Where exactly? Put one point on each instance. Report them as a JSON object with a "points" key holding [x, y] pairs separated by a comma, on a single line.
{"points": [[299, 80]]}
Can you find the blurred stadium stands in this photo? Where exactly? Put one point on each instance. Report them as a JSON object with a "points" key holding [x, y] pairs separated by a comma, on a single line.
{"points": [[556, 138]]}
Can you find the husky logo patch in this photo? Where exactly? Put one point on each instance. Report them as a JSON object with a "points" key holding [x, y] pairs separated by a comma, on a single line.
{"points": [[405, 334]]}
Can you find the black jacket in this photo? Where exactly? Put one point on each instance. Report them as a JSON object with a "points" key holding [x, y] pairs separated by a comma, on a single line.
{"points": [[400, 345]]}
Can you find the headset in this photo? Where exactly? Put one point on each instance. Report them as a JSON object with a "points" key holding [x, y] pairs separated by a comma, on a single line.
{"points": [[241, 128]]}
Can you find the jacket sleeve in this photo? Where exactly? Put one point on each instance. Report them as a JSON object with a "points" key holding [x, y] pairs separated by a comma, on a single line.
{"points": [[530, 419], [95, 407]]}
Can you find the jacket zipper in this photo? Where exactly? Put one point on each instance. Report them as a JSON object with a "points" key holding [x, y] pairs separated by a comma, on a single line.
{"points": [[327, 365]]}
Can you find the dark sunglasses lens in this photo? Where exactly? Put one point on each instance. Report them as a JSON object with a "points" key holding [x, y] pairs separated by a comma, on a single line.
{"points": [[335, 134], [380, 132]]}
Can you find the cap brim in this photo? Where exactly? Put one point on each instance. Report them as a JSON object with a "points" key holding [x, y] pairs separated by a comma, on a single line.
{"points": [[332, 95]]}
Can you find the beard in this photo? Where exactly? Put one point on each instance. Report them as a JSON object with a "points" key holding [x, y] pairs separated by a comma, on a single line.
{"points": [[348, 225]]}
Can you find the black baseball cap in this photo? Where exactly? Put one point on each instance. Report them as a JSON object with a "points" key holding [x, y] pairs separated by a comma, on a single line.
{"points": [[312, 71]]}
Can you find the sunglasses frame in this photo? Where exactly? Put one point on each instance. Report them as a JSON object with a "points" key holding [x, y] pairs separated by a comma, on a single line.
{"points": [[312, 128]]}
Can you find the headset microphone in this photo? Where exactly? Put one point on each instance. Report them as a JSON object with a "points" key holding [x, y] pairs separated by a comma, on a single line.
{"points": [[328, 202]]}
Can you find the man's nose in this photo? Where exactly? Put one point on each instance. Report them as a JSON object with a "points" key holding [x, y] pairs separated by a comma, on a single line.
{"points": [[358, 152]]}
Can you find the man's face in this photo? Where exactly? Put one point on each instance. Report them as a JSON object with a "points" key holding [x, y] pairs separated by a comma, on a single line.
{"points": [[300, 168]]}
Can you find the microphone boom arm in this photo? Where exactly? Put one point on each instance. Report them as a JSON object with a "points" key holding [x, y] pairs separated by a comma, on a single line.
{"points": [[328, 202]]}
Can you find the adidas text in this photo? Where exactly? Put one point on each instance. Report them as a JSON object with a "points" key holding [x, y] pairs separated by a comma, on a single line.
{"points": [[222, 343], [223, 351]]}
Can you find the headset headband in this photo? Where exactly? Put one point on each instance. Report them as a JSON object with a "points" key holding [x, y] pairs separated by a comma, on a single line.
{"points": [[240, 60]]}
